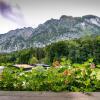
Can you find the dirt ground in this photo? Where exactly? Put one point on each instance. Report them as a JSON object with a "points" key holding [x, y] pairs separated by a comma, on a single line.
{"points": [[22, 95]]}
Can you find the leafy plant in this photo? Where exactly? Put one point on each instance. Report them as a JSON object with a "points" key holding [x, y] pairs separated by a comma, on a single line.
{"points": [[77, 77]]}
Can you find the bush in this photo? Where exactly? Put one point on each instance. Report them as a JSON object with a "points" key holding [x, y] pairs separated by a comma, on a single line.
{"points": [[33, 60], [77, 77]]}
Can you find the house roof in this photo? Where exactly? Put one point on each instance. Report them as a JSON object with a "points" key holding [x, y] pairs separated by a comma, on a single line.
{"points": [[25, 66]]}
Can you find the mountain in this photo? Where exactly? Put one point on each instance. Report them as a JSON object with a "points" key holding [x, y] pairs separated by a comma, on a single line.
{"points": [[53, 30]]}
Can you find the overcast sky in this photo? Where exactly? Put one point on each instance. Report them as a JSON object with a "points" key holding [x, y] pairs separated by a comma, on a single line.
{"points": [[35, 12]]}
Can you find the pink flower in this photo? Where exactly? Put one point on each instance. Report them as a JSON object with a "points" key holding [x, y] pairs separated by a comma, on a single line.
{"points": [[92, 65]]}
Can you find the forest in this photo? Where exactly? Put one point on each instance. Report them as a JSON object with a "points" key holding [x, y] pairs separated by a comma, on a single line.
{"points": [[77, 50]]}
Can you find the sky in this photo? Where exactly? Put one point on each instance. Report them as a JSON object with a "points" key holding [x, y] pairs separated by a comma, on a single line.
{"points": [[30, 13]]}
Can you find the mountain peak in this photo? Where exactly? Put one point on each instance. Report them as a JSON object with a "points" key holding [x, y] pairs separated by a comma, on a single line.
{"points": [[66, 17], [89, 16]]}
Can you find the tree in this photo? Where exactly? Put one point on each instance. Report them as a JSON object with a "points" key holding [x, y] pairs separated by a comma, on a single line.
{"points": [[33, 60]]}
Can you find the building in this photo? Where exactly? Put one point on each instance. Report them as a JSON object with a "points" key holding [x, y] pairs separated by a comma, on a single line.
{"points": [[27, 67]]}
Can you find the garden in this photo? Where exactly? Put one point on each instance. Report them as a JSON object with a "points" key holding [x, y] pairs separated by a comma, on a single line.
{"points": [[61, 76]]}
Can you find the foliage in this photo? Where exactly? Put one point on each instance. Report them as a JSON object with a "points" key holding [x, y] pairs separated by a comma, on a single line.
{"points": [[56, 64], [67, 77], [78, 51], [33, 60], [75, 67]]}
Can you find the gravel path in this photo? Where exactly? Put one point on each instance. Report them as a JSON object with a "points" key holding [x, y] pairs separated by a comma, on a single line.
{"points": [[19, 95]]}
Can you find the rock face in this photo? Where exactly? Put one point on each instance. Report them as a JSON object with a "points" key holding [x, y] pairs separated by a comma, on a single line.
{"points": [[15, 39], [53, 30]]}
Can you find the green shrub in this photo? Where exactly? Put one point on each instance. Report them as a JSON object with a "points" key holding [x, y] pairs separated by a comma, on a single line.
{"points": [[33, 60], [79, 77]]}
